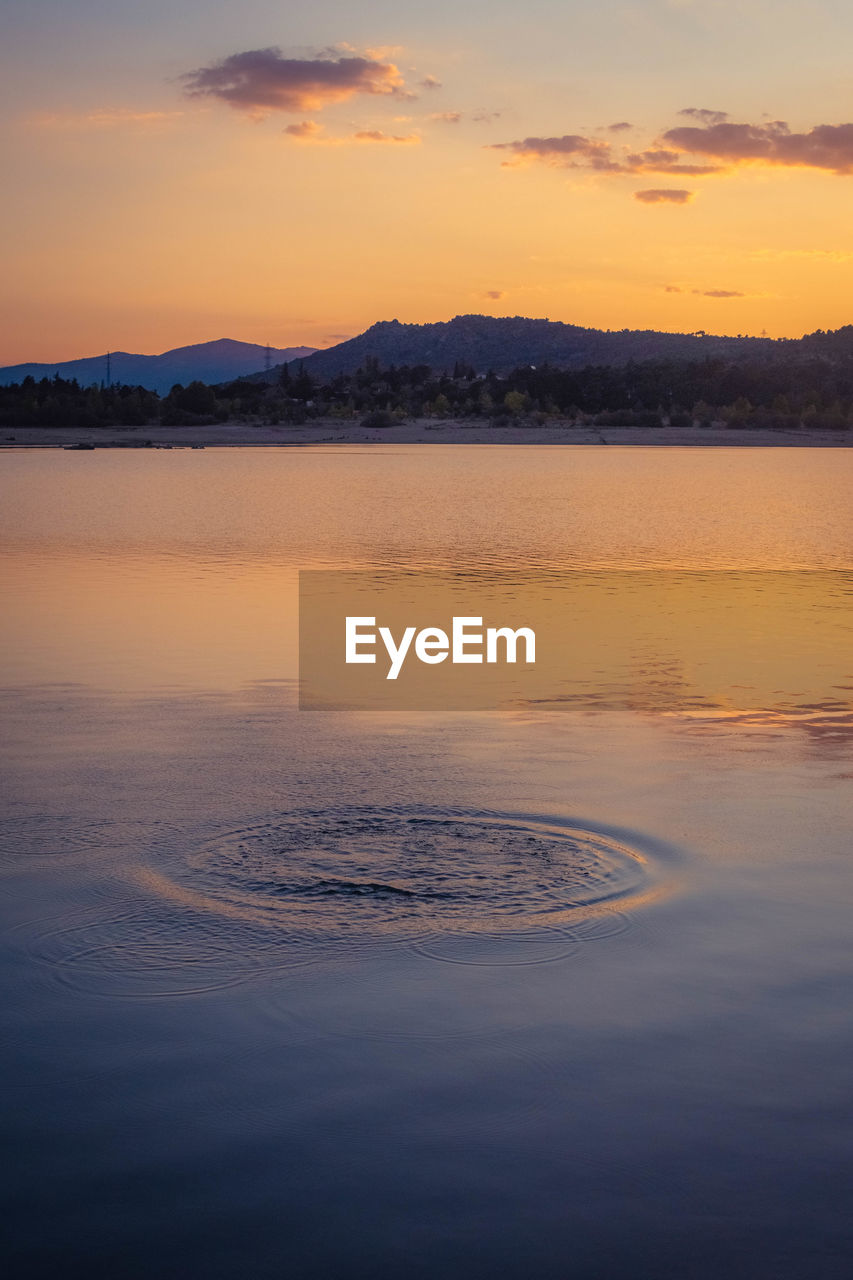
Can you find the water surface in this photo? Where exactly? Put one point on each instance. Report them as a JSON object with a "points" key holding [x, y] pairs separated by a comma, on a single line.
{"points": [[553, 991]]}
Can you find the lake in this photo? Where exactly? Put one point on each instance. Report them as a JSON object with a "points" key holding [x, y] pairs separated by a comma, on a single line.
{"points": [[557, 990]]}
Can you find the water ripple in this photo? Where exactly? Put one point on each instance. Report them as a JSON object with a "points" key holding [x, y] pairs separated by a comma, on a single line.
{"points": [[413, 872]]}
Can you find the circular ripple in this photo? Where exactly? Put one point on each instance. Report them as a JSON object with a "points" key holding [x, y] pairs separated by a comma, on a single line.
{"points": [[521, 881], [136, 949], [532, 946], [63, 836]]}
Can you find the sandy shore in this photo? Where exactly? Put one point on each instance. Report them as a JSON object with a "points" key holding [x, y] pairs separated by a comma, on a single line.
{"points": [[423, 431]]}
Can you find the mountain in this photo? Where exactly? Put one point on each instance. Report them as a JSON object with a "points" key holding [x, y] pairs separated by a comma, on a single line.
{"points": [[502, 344], [205, 362]]}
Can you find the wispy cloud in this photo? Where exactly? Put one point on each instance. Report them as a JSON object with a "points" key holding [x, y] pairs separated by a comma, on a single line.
{"points": [[107, 118], [709, 293], [430, 82], [817, 255], [446, 117], [309, 131], [575, 151], [664, 195], [704, 115], [571, 150], [376, 135], [259, 81]]}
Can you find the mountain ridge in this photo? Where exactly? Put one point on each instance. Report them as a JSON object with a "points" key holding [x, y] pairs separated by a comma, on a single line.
{"points": [[503, 343], [210, 362]]}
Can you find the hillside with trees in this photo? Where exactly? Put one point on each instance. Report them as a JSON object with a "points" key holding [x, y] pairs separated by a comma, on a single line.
{"points": [[502, 344], [811, 387]]}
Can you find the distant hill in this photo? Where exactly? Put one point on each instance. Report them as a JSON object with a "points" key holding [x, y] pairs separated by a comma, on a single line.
{"points": [[210, 362], [486, 342]]}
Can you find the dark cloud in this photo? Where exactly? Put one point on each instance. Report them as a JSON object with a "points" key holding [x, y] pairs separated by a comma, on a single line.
{"points": [[659, 160], [263, 80], [620, 126], [713, 145], [704, 116], [485, 117], [572, 151], [826, 146], [494, 294], [672, 288], [665, 195]]}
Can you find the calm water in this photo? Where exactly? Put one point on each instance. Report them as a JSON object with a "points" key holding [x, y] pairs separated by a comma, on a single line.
{"points": [[541, 992]]}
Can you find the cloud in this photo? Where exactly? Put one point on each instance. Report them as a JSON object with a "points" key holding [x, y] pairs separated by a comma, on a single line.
{"points": [[494, 294], [108, 118], [713, 144], [376, 135], [620, 126], [572, 151], [660, 160], [706, 293], [446, 117], [430, 82], [263, 80], [309, 132], [826, 146], [704, 116], [485, 117], [306, 129], [663, 195]]}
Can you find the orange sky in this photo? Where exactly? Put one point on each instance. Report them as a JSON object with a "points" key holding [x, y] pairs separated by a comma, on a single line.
{"points": [[196, 174]]}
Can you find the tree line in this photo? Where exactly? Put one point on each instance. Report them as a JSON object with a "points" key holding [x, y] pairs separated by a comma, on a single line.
{"points": [[807, 390]]}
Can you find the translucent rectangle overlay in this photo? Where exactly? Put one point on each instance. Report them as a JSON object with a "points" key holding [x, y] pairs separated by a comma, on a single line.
{"points": [[680, 641]]}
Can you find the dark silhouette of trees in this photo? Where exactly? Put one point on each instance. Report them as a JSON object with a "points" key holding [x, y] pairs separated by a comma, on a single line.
{"points": [[808, 383]]}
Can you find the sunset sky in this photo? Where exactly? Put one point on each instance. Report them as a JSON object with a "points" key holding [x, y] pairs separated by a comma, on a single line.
{"points": [[291, 174]]}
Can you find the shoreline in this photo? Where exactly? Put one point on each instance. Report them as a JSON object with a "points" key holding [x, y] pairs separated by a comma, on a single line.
{"points": [[422, 431]]}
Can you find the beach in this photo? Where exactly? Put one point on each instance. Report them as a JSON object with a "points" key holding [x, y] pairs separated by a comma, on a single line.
{"points": [[422, 431]]}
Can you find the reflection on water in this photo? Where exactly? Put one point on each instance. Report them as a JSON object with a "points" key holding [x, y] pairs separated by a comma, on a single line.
{"points": [[559, 990], [346, 872], [455, 506]]}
